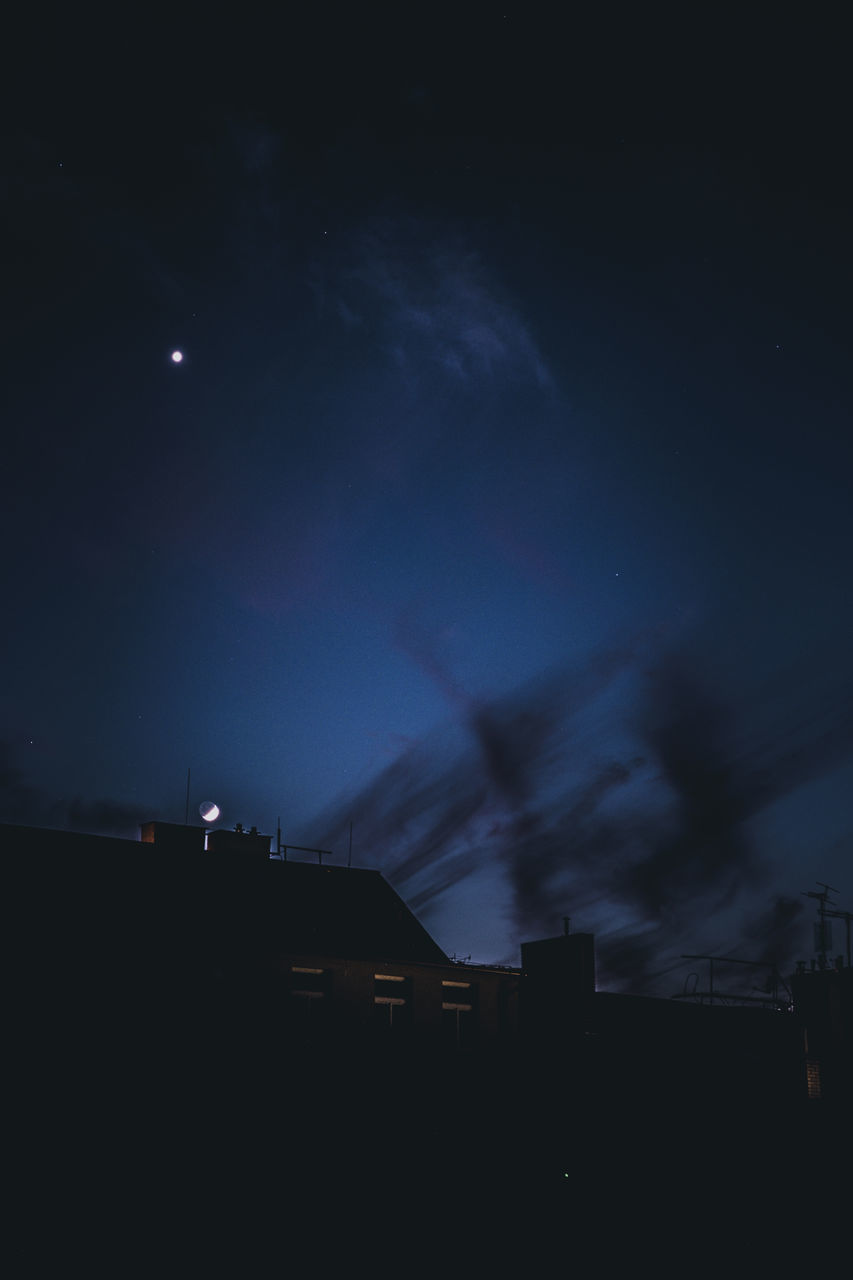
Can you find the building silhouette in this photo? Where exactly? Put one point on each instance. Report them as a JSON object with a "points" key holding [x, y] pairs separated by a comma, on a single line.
{"points": [[313, 955], [291, 1026]]}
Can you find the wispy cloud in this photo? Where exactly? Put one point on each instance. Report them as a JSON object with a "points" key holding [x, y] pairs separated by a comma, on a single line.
{"points": [[436, 305]]}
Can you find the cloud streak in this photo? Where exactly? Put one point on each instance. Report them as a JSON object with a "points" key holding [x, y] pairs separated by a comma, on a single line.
{"points": [[621, 794]]}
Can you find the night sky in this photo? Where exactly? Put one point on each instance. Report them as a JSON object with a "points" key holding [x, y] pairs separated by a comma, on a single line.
{"points": [[501, 502]]}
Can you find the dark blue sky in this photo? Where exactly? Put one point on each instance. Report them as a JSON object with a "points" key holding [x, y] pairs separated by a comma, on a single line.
{"points": [[501, 502]]}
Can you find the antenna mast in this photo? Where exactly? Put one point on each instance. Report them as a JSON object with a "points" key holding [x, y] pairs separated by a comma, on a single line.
{"points": [[828, 909]]}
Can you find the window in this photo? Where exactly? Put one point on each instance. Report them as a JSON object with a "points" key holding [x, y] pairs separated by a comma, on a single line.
{"points": [[813, 1077], [310, 990], [392, 1003], [458, 1009]]}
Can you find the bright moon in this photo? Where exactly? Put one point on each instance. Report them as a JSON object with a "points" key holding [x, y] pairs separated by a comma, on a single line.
{"points": [[208, 810], [177, 357]]}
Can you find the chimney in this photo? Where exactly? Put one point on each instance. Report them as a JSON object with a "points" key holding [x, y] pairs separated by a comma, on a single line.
{"points": [[566, 963], [558, 985]]}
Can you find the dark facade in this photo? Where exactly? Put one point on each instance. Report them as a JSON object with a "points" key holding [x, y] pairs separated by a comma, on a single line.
{"points": [[309, 959], [217, 1027], [314, 997]]}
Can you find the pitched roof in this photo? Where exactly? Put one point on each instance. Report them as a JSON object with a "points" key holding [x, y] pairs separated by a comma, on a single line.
{"points": [[302, 907], [69, 883]]}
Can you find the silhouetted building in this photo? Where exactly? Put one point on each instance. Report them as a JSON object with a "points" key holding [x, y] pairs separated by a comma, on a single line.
{"points": [[337, 957], [264, 969]]}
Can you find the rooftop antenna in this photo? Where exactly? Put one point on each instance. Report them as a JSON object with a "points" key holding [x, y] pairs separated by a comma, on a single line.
{"points": [[187, 808], [823, 933], [827, 908], [349, 855]]}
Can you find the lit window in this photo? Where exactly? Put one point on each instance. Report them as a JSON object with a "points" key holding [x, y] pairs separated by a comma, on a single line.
{"points": [[813, 1077], [458, 1013], [391, 1002], [309, 992]]}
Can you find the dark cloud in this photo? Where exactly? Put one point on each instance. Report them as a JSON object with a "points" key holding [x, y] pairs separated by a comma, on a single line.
{"points": [[27, 805], [774, 932], [103, 817], [18, 800], [703, 851], [648, 845]]}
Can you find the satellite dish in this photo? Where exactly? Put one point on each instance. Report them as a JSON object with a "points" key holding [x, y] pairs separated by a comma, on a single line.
{"points": [[209, 811]]}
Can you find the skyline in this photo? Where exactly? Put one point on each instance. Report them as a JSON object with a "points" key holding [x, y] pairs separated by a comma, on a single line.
{"points": [[499, 505]]}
